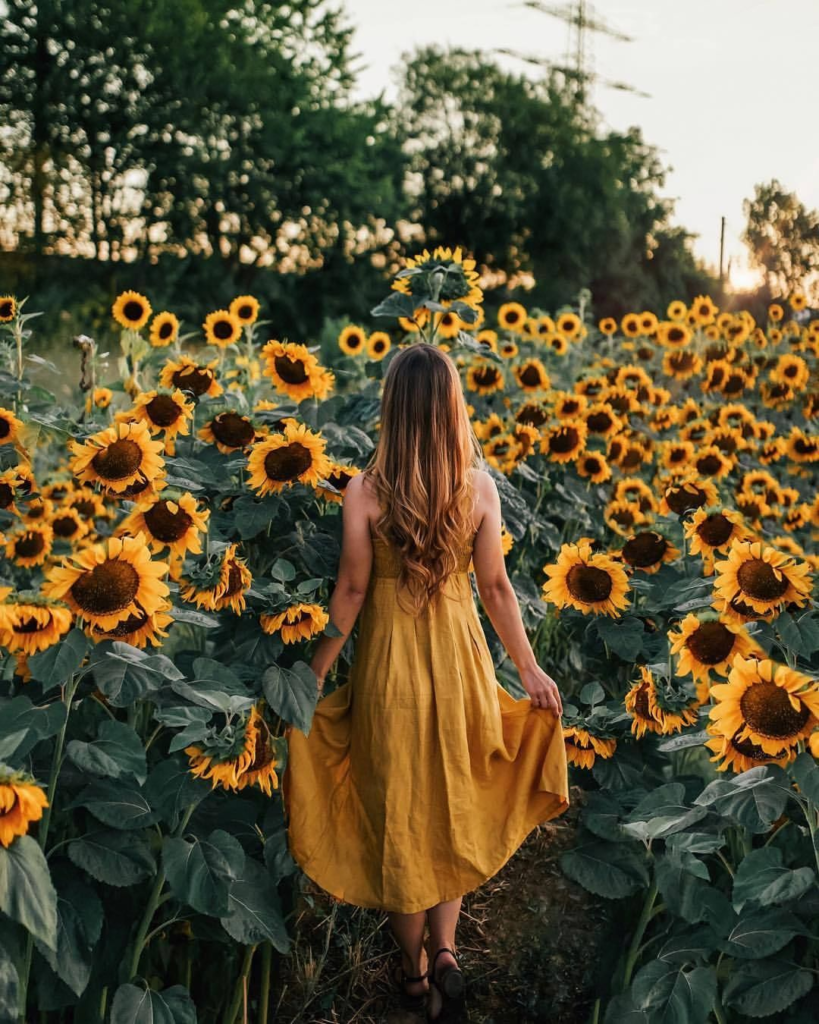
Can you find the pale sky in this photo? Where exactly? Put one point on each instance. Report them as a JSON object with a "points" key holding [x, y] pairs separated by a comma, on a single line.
{"points": [[734, 86]]}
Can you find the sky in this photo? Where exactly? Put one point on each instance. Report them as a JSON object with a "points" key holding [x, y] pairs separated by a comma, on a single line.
{"points": [[733, 88]]}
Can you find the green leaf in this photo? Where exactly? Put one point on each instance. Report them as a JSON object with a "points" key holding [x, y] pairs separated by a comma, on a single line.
{"points": [[612, 870], [800, 635], [134, 1004], [79, 923], [58, 663], [292, 693], [116, 858], [210, 694], [120, 804], [681, 880], [171, 789], [125, 674], [194, 617], [622, 636], [760, 933], [116, 752], [673, 995], [200, 872], [805, 771], [9, 986], [761, 878], [27, 894], [690, 946], [251, 516], [754, 799], [766, 987], [396, 304], [10, 742], [255, 912]]}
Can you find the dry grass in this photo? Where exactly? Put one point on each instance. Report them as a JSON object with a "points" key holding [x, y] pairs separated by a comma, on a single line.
{"points": [[527, 943]]}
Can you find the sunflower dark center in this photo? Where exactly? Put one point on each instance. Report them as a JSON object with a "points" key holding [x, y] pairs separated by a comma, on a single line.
{"points": [[196, 379], [588, 583], [682, 360], [676, 335], [624, 516], [734, 384], [29, 544], [512, 316], [128, 626], [564, 440], [592, 464], [292, 371], [64, 526], [166, 525], [759, 581], [716, 530], [233, 430], [165, 329], [486, 376], [791, 370], [288, 462], [711, 642], [645, 549], [570, 407], [677, 455], [6, 495], [768, 711], [641, 705], [6, 309], [31, 625], [107, 588], [750, 750], [133, 310], [532, 414], [681, 499], [599, 422], [5, 427], [621, 403], [709, 465], [137, 487], [339, 479], [163, 411], [234, 581], [222, 329], [120, 459], [530, 376], [245, 312]]}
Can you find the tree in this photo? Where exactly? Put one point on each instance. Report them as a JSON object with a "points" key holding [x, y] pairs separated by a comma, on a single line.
{"points": [[519, 172], [783, 237]]}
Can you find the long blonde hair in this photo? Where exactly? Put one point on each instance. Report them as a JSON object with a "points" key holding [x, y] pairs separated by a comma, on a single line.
{"points": [[420, 469]]}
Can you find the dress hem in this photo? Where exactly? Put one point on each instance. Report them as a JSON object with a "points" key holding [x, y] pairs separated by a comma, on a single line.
{"points": [[416, 908]]}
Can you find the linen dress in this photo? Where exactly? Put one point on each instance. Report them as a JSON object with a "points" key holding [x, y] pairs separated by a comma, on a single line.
{"points": [[420, 775]]}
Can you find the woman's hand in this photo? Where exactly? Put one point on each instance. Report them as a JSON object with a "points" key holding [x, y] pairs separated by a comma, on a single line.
{"points": [[320, 677], [542, 689]]}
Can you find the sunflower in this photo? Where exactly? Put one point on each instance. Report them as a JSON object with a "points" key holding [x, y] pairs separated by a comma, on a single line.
{"points": [[771, 705], [121, 455], [591, 583], [512, 316], [681, 365], [569, 325], [711, 461], [567, 406], [138, 630], [531, 375], [298, 622], [378, 345], [761, 577], [225, 772], [339, 476], [448, 325], [708, 645], [648, 551], [608, 326], [601, 420], [686, 493], [622, 516], [527, 436], [740, 755], [261, 770], [413, 324], [293, 370], [558, 343], [632, 458], [565, 442], [508, 349], [798, 301], [801, 447], [9, 427], [676, 454], [444, 275], [245, 308], [677, 310], [637, 492], [68, 525], [131, 310], [230, 431], [630, 325], [583, 747], [109, 582], [657, 710], [544, 326], [222, 328], [775, 312], [99, 398], [30, 545], [88, 502], [8, 308], [352, 340], [484, 377], [281, 460], [703, 310], [712, 532], [21, 802], [226, 590], [169, 414], [164, 330], [175, 524], [29, 628], [38, 509], [188, 375], [594, 466], [503, 452]]}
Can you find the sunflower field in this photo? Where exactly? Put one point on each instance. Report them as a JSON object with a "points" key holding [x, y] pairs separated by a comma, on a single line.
{"points": [[170, 544]]}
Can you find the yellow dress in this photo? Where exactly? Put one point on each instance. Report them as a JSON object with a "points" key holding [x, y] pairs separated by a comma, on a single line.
{"points": [[421, 775]]}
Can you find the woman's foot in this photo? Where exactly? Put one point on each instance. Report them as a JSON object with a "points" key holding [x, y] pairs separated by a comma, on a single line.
{"points": [[435, 1004], [413, 989]]}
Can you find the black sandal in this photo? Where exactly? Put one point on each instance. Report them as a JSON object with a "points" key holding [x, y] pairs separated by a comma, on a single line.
{"points": [[411, 1001], [450, 983]]}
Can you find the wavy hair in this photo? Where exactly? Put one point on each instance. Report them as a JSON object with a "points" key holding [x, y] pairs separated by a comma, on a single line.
{"points": [[420, 469]]}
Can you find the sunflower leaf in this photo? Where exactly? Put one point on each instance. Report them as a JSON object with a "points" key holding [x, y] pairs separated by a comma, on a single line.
{"points": [[27, 894], [116, 858], [763, 879], [622, 636], [59, 662], [292, 693], [612, 870], [671, 993], [200, 872], [116, 752], [255, 911], [395, 304], [765, 987], [120, 804], [134, 1004]]}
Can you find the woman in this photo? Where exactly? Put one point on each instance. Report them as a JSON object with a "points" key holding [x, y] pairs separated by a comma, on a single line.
{"points": [[421, 775]]}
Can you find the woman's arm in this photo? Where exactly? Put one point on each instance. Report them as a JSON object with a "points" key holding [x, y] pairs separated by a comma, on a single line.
{"points": [[500, 601], [354, 568]]}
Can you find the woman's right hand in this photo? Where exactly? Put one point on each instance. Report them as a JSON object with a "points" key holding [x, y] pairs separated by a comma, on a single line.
{"points": [[542, 689]]}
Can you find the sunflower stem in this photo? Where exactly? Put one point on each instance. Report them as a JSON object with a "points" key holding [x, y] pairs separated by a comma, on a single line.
{"points": [[636, 940], [240, 990], [264, 999]]}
